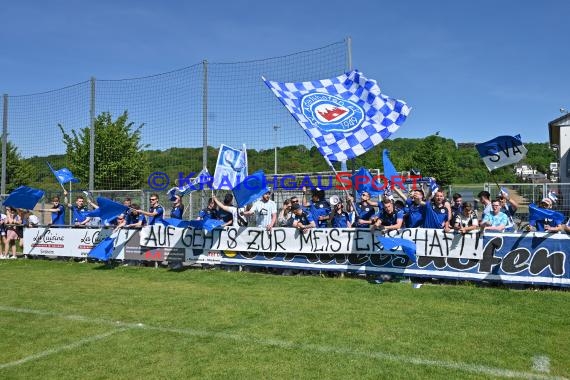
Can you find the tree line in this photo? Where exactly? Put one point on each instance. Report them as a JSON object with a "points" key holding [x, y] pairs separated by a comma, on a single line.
{"points": [[123, 162]]}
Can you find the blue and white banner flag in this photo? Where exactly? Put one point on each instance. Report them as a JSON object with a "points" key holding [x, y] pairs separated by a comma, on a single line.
{"points": [[231, 167], [343, 116], [189, 186], [501, 151]]}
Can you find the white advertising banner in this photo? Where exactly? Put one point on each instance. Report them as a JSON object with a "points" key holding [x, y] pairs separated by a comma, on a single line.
{"points": [[429, 242]]}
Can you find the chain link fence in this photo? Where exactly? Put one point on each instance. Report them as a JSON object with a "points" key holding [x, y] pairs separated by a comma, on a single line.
{"points": [[183, 115]]}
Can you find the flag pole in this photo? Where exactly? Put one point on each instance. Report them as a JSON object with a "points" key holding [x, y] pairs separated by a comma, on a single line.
{"points": [[336, 173]]}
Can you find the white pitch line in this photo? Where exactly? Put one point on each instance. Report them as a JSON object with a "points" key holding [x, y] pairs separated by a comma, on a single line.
{"points": [[56, 350], [466, 367], [541, 363]]}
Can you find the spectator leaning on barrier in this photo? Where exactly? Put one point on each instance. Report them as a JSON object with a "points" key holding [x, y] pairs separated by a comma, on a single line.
{"points": [[302, 220], [496, 220], [127, 202], [467, 220], [388, 218], [540, 225], [57, 212], [137, 218], [155, 212]]}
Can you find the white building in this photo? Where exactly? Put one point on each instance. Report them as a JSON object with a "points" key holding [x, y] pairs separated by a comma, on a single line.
{"points": [[559, 135]]}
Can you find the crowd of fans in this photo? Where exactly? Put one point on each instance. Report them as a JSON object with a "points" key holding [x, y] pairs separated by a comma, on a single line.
{"points": [[419, 207]]}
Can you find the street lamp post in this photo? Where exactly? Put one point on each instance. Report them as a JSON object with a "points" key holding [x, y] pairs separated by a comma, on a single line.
{"points": [[275, 128]]}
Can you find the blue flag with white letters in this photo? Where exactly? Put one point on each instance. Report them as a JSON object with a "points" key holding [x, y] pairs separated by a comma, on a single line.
{"points": [[344, 116], [501, 151]]}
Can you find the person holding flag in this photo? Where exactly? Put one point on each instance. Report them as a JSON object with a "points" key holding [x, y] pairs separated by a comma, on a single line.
{"points": [[78, 211]]}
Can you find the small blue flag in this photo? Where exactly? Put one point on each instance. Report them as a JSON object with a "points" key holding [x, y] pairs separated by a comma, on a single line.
{"points": [[433, 186], [408, 246], [344, 116], [389, 169], [104, 250], [63, 175], [251, 188], [24, 197], [362, 181], [501, 151]]}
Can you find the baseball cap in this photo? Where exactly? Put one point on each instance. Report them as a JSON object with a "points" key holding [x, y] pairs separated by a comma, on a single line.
{"points": [[296, 206]]}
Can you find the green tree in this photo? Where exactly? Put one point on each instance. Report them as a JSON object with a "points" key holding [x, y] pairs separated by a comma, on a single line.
{"points": [[18, 171], [433, 156], [119, 159]]}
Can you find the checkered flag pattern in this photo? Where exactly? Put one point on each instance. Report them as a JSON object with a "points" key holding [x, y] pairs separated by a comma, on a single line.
{"points": [[382, 115]]}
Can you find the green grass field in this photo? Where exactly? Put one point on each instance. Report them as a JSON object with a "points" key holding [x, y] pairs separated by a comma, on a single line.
{"points": [[70, 320]]}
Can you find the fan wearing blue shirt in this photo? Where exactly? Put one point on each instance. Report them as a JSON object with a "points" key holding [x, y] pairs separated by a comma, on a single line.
{"points": [[156, 211], [177, 207], [388, 217], [79, 211], [57, 212]]}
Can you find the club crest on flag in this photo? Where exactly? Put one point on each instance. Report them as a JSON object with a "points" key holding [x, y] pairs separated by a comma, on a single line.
{"points": [[330, 113]]}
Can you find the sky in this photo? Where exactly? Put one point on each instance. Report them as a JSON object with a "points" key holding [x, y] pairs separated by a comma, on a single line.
{"points": [[470, 70]]}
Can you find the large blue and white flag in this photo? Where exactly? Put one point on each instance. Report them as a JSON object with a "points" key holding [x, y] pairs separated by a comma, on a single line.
{"points": [[343, 116], [63, 175], [231, 167], [501, 151]]}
